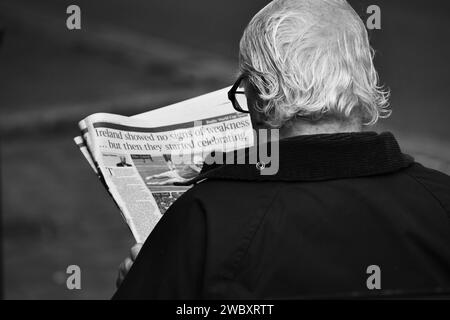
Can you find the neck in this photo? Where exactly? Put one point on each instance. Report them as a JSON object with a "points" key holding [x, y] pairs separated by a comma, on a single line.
{"points": [[302, 127]]}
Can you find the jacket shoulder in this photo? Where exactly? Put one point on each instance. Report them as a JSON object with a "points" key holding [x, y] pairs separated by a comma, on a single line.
{"points": [[233, 194], [435, 182], [234, 213]]}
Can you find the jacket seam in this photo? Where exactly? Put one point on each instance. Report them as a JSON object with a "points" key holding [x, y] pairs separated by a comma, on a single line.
{"points": [[417, 180], [246, 249]]}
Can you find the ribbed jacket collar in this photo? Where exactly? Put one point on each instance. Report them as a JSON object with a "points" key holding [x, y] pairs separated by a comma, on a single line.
{"points": [[320, 157]]}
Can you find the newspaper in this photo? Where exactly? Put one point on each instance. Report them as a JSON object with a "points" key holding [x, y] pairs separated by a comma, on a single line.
{"points": [[140, 159]]}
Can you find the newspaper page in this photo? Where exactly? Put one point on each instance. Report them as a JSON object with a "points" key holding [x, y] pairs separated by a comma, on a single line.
{"points": [[140, 158]]}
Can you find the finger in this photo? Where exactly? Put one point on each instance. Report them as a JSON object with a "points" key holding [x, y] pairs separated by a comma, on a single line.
{"points": [[123, 271], [120, 276], [128, 263], [135, 251]]}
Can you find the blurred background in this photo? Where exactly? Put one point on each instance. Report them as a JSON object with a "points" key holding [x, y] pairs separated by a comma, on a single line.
{"points": [[129, 57]]}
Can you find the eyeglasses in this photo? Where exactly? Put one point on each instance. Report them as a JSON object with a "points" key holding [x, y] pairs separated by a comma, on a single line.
{"points": [[237, 96]]}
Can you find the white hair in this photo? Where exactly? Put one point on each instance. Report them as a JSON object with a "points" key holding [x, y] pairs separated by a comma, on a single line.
{"points": [[310, 59]]}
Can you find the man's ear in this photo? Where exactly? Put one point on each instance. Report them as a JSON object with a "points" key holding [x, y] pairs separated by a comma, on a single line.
{"points": [[252, 95], [255, 104]]}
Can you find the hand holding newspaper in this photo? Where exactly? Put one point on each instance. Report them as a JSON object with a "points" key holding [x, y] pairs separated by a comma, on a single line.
{"points": [[139, 158]]}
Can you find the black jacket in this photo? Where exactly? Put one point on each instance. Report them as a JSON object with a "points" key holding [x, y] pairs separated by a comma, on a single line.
{"points": [[338, 204]]}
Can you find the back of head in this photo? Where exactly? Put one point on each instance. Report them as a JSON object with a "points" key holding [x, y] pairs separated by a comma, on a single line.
{"points": [[311, 59]]}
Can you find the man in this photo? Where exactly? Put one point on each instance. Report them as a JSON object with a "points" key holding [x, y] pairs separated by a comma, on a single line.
{"points": [[344, 202]]}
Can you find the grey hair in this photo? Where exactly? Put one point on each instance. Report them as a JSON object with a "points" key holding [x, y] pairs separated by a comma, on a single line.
{"points": [[309, 59]]}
